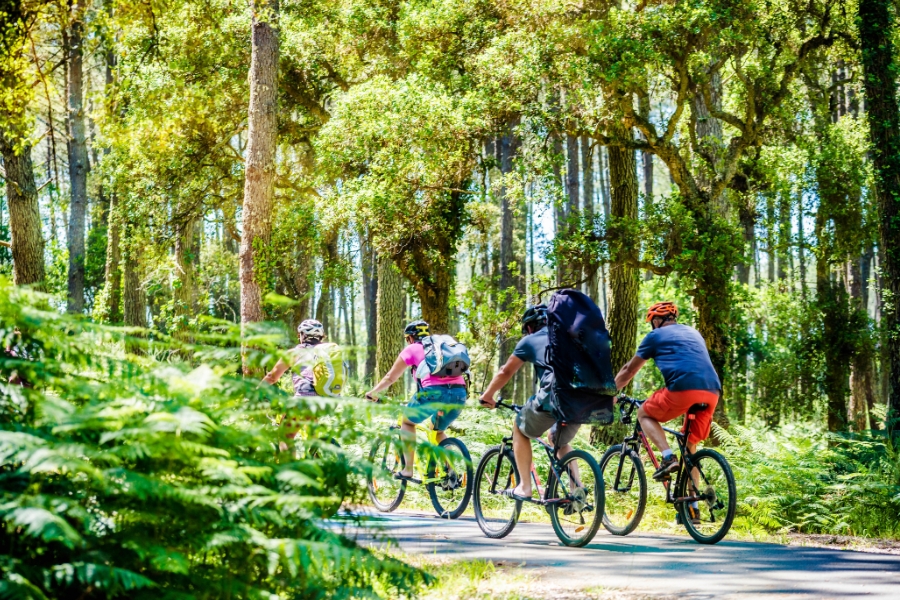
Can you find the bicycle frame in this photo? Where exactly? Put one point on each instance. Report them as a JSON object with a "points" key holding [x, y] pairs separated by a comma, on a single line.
{"points": [[551, 451], [431, 436], [638, 438]]}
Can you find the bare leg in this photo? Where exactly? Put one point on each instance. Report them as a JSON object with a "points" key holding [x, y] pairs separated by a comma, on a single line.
{"points": [[408, 437], [653, 430], [522, 452], [573, 467]]}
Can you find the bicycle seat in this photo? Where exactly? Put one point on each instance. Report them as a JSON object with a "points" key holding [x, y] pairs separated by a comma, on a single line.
{"points": [[698, 407]]}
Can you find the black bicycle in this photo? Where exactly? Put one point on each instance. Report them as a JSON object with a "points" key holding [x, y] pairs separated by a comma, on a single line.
{"points": [[705, 501], [573, 496]]}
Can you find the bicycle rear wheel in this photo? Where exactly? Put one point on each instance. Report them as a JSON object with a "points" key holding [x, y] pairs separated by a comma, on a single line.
{"points": [[716, 495], [577, 516], [452, 463], [626, 490], [496, 515], [386, 459]]}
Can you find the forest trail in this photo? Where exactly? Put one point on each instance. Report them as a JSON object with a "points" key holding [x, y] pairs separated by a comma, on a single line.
{"points": [[656, 565]]}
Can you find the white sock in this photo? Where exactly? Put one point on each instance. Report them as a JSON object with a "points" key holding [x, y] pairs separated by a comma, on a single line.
{"points": [[667, 454]]}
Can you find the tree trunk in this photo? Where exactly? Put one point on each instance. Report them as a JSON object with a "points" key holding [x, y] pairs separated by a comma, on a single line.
{"points": [[587, 174], [434, 296], [134, 300], [876, 29], [832, 301], [78, 161], [370, 298], [185, 261], [784, 235], [747, 216], [113, 274], [389, 321], [572, 265], [624, 280], [560, 219], [27, 242], [259, 182], [507, 146], [862, 366]]}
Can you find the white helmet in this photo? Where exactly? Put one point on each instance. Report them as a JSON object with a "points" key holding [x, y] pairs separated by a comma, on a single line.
{"points": [[310, 328]]}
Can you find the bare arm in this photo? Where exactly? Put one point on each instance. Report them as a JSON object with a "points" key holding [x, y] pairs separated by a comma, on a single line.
{"points": [[628, 372], [502, 377], [277, 371], [389, 378]]}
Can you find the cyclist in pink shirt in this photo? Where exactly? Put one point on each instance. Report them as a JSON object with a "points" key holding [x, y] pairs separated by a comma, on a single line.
{"points": [[438, 398]]}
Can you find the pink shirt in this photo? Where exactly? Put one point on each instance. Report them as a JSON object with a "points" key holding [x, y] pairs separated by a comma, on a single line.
{"points": [[414, 354]]}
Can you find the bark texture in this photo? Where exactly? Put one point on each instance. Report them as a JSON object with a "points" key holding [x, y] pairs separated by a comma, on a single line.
{"points": [[134, 300], [113, 272], [187, 254], [78, 160], [876, 39], [27, 242], [389, 327], [370, 299], [259, 182], [624, 280]]}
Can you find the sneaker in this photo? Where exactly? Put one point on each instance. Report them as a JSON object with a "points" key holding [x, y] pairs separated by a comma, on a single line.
{"points": [[667, 466], [695, 515]]}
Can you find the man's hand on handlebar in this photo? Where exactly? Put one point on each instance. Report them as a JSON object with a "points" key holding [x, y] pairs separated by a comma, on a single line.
{"points": [[488, 401], [371, 397]]}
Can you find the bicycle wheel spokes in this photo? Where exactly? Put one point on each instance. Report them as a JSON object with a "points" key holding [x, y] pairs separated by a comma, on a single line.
{"points": [[708, 518], [451, 466], [385, 492], [626, 490], [576, 502], [496, 514]]}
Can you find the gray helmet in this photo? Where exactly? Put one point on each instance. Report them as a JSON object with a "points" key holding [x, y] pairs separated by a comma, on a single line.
{"points": [[310, 328], [534, 315]]}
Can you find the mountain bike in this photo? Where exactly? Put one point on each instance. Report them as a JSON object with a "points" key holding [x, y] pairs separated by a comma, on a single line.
{"points": [[573, 495], [448, 477], [704, 491]]}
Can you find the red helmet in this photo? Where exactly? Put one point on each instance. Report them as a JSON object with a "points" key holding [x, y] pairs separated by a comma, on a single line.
{"points": [[662, 309]]}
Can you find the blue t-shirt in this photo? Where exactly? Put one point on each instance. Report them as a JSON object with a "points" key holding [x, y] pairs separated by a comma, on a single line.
{"points": [[681, 355], [533, 349]]}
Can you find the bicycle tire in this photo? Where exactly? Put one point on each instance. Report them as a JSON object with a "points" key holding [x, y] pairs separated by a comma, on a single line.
{"points": [[613, 488], [730, 505], [590, 530], [380, 465], [435, 488], [492, 461]]}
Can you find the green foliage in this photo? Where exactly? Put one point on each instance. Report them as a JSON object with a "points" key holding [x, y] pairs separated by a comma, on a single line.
{"points": [[798, 479], [124, 476]]}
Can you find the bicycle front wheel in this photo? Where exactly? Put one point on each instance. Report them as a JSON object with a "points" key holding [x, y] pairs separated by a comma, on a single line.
{"points": [[386, 460], [626, 490], [451, 466], [496, 514], [707, 497], [576, 502]]}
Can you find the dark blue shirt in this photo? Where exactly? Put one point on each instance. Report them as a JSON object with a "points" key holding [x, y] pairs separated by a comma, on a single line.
{"points": [[681, 355]]}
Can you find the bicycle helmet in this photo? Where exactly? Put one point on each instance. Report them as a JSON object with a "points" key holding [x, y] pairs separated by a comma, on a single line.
{"points": [[534, 315], [311, 329], [418, 329], [665, 310]]}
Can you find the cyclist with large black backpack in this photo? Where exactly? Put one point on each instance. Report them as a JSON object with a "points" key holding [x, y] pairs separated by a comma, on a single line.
{"points": [[569, 345]]}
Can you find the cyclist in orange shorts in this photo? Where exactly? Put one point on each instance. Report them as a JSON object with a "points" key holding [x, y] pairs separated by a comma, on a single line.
{"points": [[681, 355]]}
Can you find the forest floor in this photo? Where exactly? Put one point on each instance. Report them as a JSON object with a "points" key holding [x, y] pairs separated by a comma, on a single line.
{"points": [[530, 563]]}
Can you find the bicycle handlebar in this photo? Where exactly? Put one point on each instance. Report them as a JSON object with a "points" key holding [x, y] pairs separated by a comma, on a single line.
{"points": [[627, 405]]}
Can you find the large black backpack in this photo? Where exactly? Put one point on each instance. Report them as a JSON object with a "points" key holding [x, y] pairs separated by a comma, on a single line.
{"points": [[579, 354]]}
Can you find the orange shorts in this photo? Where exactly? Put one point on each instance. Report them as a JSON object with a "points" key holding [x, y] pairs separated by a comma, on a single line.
{"points": [[665, 405]]}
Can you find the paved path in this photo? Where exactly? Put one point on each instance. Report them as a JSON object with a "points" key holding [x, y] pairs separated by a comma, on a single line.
{"points": [[656, 564]]}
